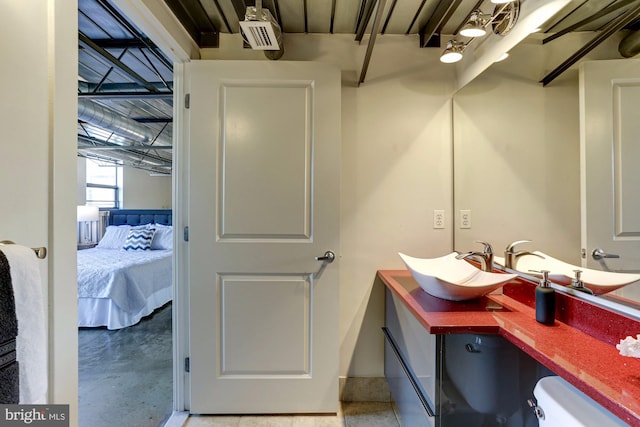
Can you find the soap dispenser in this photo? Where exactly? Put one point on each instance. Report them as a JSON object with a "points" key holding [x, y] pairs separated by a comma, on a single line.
{"points": [[545, 300], [578, 284]]}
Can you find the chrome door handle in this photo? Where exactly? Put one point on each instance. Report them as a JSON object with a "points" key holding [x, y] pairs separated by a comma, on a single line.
{"points": [[328, 256], [599, 254]]}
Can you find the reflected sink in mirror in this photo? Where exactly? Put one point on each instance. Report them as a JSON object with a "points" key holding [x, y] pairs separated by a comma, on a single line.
{"points": [[562, 273], [452, 279]]}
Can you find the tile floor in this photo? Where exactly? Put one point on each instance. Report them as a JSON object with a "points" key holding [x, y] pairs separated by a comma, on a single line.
{"points": [[351, 414]]}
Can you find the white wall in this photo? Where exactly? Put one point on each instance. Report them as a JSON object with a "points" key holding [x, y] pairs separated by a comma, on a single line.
{"points": [[517, 150], [396, 169], [37, 163], [143, 191], [140, 189]]}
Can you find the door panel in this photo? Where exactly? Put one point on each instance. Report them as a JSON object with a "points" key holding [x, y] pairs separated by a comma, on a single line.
{"points": [[609, 105], [264, 149], [252, 170], [250, 326]]}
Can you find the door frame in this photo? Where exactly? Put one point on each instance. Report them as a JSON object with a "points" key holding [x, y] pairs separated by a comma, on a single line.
{"points": [[157, 21]]}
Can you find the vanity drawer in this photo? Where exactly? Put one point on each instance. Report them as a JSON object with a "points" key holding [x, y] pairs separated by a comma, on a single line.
{"points": [[419, 349], [413, 406], [413, 365]]}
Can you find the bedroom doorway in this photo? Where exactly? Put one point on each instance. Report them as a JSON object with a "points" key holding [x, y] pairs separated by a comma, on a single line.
{"points": [[125, 122]]}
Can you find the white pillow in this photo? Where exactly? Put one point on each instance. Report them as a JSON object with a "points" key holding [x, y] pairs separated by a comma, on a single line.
{"points": [[139, 239], [163, 238], [114, 237]]}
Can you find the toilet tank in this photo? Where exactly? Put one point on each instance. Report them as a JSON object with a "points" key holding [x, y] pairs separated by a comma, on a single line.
{"points": [[564, 405]]}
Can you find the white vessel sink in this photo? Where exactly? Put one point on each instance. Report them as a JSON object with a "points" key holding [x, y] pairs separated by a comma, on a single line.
{"points": [[600, 282], [452, 279]]}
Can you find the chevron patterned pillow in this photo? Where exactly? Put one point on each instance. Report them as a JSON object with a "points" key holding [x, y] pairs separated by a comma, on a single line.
{"points": [[139, 239]]}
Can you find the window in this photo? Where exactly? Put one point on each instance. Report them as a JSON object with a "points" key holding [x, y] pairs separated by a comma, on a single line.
{"points": [[104, 181]]}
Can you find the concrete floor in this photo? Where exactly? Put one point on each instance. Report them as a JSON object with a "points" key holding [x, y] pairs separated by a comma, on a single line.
{"points": [[125, 376], [125, 380]]}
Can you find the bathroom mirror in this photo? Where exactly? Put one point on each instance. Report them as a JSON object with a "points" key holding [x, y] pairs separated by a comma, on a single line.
{"points": [[517, 153]]}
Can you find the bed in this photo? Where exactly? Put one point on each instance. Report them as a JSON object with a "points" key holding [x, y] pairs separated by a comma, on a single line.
{"points": [[129, 273]]}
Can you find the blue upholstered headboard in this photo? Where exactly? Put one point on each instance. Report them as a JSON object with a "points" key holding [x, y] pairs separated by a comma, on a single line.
{"points": [[140, 216]]}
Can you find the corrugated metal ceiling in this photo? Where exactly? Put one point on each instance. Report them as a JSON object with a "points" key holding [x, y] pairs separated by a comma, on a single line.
{"points": [[122, 70]]}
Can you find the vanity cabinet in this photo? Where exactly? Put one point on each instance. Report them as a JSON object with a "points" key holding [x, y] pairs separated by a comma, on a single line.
{"points": [[457, 379], [413, 365]]}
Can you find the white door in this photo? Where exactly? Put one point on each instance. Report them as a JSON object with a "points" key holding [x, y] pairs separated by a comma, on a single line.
{"points": [[610, 156], [264, 168]]}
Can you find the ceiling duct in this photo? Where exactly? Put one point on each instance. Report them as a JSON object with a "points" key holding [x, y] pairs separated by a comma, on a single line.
{"points": [[104, 117], [261, 31], [630, 45], [123, 156]]}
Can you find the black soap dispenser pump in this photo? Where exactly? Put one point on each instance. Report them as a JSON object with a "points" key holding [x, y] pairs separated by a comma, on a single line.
{"points": [[578, 284], [545, 301]]}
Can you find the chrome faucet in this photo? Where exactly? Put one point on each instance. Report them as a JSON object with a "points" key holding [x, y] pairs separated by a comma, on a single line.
{"points": [[485, 257], [510, 254]]}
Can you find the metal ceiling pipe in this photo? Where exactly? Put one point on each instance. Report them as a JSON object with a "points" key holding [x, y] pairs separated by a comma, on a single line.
{"points": [[630, 45], [104, 117], [127, 159]]}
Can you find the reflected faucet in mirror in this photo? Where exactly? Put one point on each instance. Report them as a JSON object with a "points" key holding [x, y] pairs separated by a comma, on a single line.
{"points": [[510, 254], [485, 258]]}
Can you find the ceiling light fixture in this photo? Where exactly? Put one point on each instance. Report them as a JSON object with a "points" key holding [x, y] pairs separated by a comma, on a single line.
{"points": [[453, 52], [475, 25], [502, 20]]}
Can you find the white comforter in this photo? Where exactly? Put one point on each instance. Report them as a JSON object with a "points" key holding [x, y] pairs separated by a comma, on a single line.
{"points": [[128, 278]]}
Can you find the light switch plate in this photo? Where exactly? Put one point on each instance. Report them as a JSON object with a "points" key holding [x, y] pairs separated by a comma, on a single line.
{"points": [[465, 218], [438, 218]]}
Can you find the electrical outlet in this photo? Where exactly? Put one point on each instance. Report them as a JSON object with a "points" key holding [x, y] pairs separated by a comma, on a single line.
{"points": [[438, 218], [465, 218]]}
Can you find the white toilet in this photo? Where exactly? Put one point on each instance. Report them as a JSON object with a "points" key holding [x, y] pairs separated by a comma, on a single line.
{"points": [[560, 404]]}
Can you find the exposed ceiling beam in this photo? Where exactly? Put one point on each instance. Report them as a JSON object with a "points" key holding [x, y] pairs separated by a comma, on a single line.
{"points": [[440, 16], [240, 7], [224, 17], [196, 21], [364, 19], [131, 148], [567, 15], [611, 28], [125, 95], [93, 144], [392, 7], [86, 87], [372, 39], [416, 15], [121, 43], [333, 16], [88, 43], [598, 15], [115, 13], [152, 120]]}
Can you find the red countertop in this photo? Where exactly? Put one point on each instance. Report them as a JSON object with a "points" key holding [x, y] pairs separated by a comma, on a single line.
{"points": [[579, 350]]}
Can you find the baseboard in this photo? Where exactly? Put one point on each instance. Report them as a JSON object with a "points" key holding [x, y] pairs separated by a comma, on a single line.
{"points": [[364, 389], [177, 419]]}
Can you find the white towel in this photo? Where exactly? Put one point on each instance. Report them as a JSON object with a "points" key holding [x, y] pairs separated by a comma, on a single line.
{"points": [[32, 339]]}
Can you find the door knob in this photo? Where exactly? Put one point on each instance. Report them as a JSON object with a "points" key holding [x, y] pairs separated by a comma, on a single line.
{"points": [[599, 254], [328, 256]]}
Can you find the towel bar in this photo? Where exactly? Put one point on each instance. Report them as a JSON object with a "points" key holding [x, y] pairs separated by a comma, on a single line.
{"points": [[40, 252]]}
